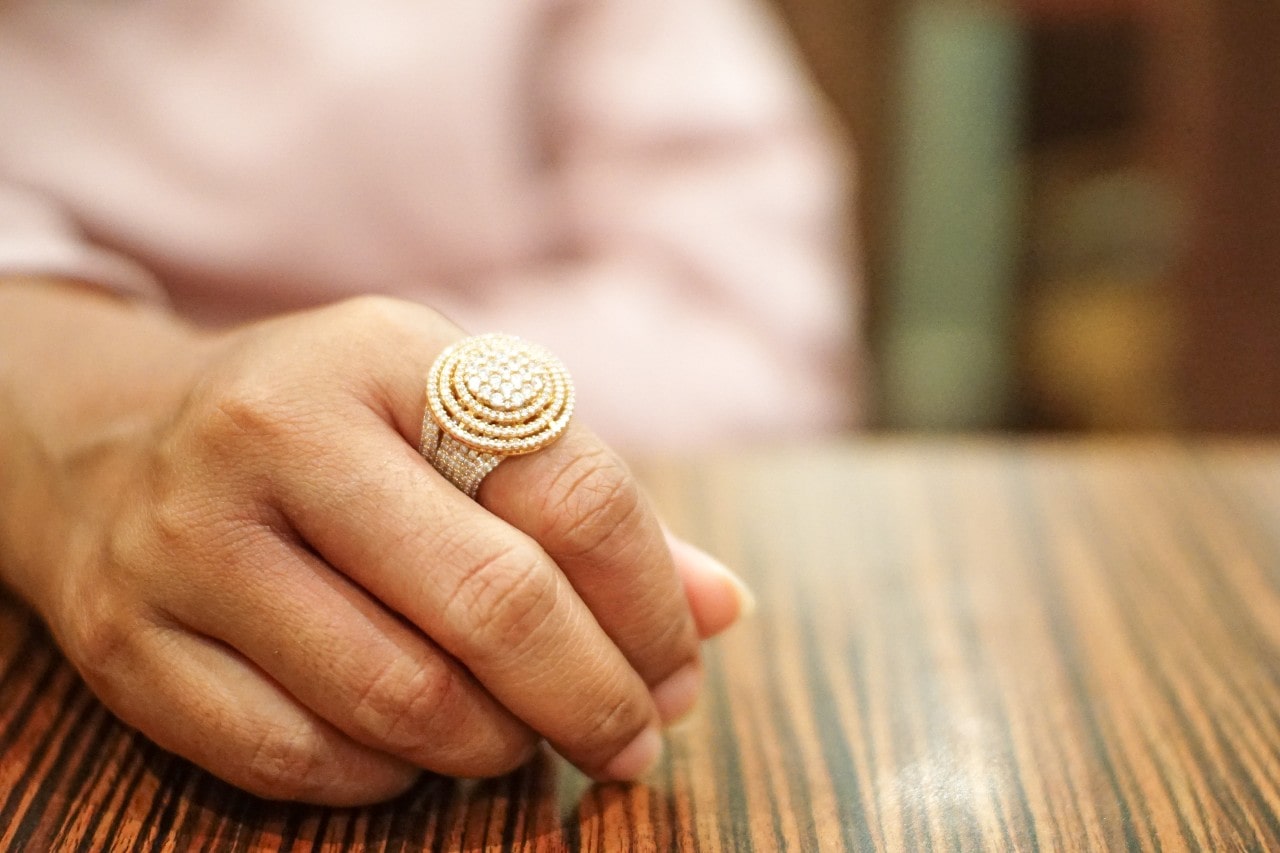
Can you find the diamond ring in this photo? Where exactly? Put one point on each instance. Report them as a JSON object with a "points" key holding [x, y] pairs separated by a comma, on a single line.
{"points": [[490, 397]]}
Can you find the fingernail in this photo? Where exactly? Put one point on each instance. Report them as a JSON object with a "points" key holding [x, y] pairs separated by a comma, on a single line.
{"points": [[746, 598], [636, 758], [678, 694], [682, 727]]}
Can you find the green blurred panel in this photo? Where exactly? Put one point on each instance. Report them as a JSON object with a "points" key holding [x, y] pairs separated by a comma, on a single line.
{"points": [[956, 242]]}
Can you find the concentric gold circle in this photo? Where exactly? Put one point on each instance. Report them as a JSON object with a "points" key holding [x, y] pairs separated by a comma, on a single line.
{"points": [[499, 394]]}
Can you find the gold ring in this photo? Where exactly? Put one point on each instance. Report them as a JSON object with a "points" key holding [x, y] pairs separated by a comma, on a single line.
{"points": [[490, 397]]}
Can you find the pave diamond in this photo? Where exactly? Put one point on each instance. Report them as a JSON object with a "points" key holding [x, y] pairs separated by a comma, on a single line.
{"points": [[499, 395]]}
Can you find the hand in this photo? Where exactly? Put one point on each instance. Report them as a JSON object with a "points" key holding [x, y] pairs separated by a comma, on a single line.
{"points": [[269, 580]]}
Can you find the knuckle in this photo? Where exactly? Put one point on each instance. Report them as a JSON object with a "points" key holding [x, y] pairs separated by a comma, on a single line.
{"points": [[502, 758], [108, 640], [405, 699], [173, 523], [284, 764], [98, 642], [104, 615], [423, 714], [209, 532], [503, 599], [373, 320], [371, 307], [593, 506], [674, 643], [246, 407], [614, 724], [372, 329], [253, 418], [93, 627], [295, 763]]}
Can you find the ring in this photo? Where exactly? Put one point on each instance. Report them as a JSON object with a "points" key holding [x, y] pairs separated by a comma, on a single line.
{"points": [[490, 397]]}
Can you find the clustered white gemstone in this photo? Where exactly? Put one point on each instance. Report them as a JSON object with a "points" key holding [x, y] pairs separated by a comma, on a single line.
{"points": [[499, 394], [490, 397], [463, 466]]}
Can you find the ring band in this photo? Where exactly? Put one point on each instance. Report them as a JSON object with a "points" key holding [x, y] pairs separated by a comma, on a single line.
{"points": [[490, 397]]}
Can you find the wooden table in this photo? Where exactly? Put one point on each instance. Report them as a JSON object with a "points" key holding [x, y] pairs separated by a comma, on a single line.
{"points": [[959, 647]]}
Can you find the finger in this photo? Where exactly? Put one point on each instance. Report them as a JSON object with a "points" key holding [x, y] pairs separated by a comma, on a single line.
{"points": [[717, 597], [203, 701], [350, 661], [578, 500], [484, 591]]}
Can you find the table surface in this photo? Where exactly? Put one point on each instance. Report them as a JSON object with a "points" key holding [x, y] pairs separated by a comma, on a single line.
{"points": [[971, 646]]}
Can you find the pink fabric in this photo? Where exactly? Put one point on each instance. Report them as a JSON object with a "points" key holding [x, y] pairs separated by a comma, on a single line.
{"points": [[645, 186]]}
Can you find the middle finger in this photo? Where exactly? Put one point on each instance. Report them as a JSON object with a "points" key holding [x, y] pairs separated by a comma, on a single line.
{"points": [[582, 504]]}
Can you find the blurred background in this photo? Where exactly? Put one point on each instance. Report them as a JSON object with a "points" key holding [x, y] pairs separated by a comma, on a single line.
{"points": [[1068, 211]]}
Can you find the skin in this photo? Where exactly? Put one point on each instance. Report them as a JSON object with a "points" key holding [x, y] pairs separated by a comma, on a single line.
{"points": [[233, 539]]}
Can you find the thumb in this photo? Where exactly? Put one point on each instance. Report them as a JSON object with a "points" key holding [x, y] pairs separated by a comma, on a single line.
{"points": [[717, 597]]}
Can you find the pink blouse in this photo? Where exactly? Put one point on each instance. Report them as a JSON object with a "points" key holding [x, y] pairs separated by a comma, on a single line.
{"points": [[647, 187]]}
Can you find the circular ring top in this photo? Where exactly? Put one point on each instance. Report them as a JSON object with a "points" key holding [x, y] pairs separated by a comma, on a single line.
{"points": [[499, 394]]}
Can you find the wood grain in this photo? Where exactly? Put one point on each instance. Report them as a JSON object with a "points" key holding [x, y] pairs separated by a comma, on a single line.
{"points": [[959, 647]]}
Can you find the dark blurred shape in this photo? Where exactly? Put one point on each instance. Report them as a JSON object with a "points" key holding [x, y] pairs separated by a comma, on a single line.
{"points": [[1230, 361], [1150, 272], [1105, 226], [1084, 78], [850, 47]]}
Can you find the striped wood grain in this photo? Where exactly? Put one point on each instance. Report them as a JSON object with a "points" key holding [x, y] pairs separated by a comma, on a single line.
{"points": [[959, 647]]}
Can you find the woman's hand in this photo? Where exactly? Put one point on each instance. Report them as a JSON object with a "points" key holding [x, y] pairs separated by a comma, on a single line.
{"points": [[258, 571]]}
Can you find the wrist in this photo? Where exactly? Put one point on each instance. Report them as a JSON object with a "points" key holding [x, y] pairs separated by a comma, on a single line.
{"points": [[77, 365], [85, 382]]}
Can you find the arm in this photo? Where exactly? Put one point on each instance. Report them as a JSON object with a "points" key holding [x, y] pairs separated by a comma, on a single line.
{"points": [[79, 370]]}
